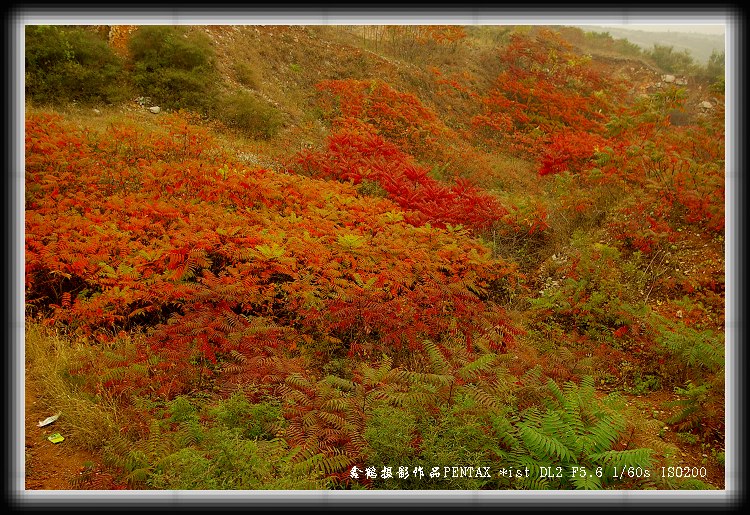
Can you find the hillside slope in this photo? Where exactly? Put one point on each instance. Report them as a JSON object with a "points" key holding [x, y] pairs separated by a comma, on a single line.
{"points": [[480, 247]]}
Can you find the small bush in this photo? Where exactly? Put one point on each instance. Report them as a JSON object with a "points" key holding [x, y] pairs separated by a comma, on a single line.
{"points": [[672, 61], [66, 64], [254, 420], [714, 72], [389, 434], [174, 68], [204, 446], [242, 111], [372, 188], [246, 75]]}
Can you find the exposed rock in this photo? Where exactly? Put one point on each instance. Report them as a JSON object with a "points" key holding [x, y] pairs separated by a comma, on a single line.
{"points": [[668, 78], [118, 36], [155, 109], [681, 82], [706, 105]]}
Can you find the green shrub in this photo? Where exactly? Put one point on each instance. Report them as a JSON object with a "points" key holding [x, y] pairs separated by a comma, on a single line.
{"points": [[592, 294], [66, 64], [227, 461], [176, 69], [254, 420], [700, 409], [454, 439], [256, 118], [211, 446], [460, 438], [577, 433], [389, 434], [643, 383], [714, 71], [715, 68], [671, 61], [700, 352]]}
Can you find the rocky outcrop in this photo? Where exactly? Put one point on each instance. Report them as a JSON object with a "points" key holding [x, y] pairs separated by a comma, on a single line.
{"points": [[117, 36]]}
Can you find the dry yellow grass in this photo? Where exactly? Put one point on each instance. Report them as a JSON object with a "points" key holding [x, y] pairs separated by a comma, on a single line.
{"points": [[50, 357]]}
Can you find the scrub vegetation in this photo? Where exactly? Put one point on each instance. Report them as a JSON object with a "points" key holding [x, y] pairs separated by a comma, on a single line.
{"points": [[342, 257]]}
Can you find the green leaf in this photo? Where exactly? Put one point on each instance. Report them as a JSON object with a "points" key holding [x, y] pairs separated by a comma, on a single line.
{"points": [[272, 251]]}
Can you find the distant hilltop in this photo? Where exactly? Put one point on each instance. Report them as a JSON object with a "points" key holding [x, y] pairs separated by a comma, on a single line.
{"points": [[700, 46]]}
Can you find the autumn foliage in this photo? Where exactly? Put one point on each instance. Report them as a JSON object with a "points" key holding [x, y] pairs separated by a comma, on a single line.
{"points": [[122, 232], [423, 278], [356, 154]]}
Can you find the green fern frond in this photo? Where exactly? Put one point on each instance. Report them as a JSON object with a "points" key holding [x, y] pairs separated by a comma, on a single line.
{"points": [[685, 418], [181, 410], [138, 368], [189, 433], [532, 377], [309, 420], [533, 483], [138, 477], [113, 374], [113, 358], [410, 398], [438, 362], [383, 370], [294, 397], [481, 364], [588, 384], [624, 459], [553, 424], [298, 381], [505, 430], [482, 397], [338, 382], [543, 445], [335, 420], [135, 459], [398, 376], [604, 433], [587, 482], [340, 404], [156, 444], [419, 378], [323, 464], [557, 394]]}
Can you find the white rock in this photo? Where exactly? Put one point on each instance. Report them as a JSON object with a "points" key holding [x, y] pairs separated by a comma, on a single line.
{"points": [[155, 109], [668, 78], [706, 104]]}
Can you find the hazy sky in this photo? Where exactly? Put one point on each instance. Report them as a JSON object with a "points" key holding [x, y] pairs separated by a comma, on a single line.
{"points": [[701, 29]]}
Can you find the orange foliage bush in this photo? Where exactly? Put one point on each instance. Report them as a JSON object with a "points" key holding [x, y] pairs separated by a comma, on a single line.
{"points": [[163, 230]]}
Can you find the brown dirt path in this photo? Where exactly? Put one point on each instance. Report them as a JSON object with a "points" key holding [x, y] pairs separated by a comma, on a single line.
{"points": [[655, 405]]}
